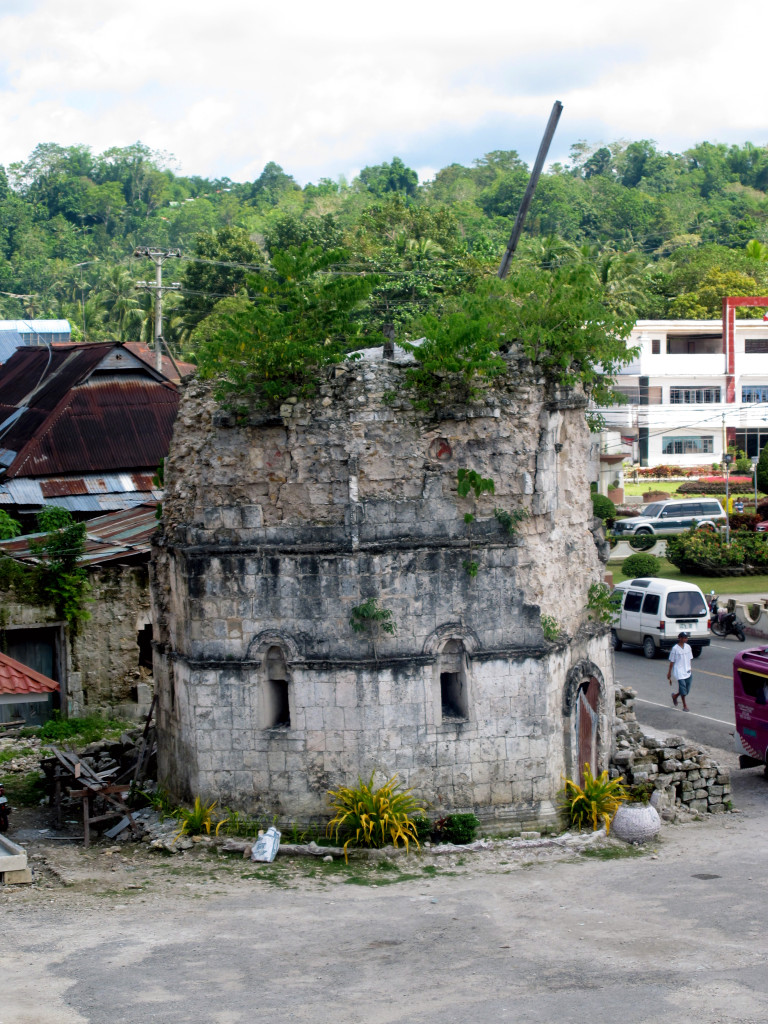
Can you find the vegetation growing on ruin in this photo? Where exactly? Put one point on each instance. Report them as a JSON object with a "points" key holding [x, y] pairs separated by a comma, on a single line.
{"points": [[370, 618], [550, 628], [618, 232], [299, 320], [57, 578], [470, 482], [511, 520], [601, 608]]}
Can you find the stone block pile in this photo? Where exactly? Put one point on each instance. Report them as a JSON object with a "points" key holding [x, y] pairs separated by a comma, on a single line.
{"points": [[684, 775]]}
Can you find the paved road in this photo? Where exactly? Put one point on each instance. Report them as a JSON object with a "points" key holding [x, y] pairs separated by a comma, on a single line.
{"points": [[675, 937], [710, 720]]}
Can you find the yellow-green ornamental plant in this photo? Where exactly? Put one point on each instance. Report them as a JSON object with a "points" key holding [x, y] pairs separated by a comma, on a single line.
{"points": [[201, 818], [374, 817], [596, 802]]}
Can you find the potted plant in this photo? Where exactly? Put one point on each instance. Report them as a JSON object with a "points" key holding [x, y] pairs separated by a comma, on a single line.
{"points": [[637, 820]]}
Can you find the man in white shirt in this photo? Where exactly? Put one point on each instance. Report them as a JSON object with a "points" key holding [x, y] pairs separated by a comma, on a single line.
{"points": [[680, 659]]}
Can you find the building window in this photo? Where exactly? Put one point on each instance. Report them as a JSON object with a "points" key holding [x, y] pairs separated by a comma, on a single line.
{"points": [[655, 346], [694, 396], [687, 445], [277, 712], [755, 345], [754, 393], [144, 643], [694, 344]]}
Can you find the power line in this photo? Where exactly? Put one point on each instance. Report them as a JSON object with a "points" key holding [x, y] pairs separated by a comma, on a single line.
{"points": [[687, 426], [158, 257]]}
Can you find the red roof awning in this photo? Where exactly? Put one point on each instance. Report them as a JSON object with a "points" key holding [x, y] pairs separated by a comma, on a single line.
{"points": [[19, 680]]}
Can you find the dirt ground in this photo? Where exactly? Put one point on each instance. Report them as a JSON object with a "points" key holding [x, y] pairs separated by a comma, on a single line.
{"points": [[675, 933]]}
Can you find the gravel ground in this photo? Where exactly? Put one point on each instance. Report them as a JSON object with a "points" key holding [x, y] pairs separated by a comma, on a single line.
{"points": [[124, 934]]}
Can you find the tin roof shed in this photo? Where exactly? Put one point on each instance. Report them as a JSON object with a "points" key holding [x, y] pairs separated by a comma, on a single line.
{"points": [[74, 412]]}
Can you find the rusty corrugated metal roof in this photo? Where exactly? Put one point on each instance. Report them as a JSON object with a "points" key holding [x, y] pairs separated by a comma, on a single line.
{"points": [[143, 351], [113, 537], [84, 412]]}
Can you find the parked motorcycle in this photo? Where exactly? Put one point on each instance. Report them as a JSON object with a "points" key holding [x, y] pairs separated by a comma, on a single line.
{"points": [[723, 622]]}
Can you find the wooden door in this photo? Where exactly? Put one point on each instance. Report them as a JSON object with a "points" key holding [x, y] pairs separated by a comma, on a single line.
{"points": [[586, 706]]}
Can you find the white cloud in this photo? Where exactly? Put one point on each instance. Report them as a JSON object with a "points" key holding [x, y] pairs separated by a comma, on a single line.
{"points": [[320, 89]]}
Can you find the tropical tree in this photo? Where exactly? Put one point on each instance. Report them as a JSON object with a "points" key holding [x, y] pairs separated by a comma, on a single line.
{"points": [[707, 300], [299, 320], [119, 296], [219, 266], [392, 177]]}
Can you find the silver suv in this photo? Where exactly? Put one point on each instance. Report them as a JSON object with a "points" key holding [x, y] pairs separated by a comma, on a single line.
{"points": [[665, 518]]}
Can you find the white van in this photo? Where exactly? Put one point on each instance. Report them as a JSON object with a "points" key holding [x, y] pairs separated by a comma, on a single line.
{"points": [[651, 612]]}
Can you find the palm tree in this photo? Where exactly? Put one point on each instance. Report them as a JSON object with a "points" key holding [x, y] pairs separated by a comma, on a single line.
{"points": [[623, 277], [121, 300], [756, 251], [87, 319]]}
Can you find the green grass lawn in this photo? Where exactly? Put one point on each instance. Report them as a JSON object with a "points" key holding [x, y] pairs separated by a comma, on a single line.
{"points": [[671, 486], [642, 487], [720, 584]]}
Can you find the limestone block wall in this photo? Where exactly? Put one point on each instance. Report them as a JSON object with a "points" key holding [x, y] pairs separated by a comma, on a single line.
{"points": [[504, 761], [105, 654], [277, 525], [98, 667]]}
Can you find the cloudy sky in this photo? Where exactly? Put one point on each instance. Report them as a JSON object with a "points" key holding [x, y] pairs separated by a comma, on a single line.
{"points": [[326, 88]]}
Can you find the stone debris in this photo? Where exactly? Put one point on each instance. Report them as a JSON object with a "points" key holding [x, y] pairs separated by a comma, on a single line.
{"points": [[686, 779], [536, 845], [25, 754]]}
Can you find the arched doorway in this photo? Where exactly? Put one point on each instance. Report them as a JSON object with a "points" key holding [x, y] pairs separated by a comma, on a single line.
{"points": [[587, 719], [586, 729]]}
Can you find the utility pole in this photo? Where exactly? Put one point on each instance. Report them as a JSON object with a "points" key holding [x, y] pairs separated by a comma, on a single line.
{"points": [[538, 165], [158, 257]]}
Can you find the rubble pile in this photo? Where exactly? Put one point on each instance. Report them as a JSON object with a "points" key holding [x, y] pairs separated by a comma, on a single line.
{"points": [[23, 755], [113, 757], [684, 775]]}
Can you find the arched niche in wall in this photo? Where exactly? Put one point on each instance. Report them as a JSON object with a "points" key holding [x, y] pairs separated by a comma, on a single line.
{"points": [[585, 710], [274, 651], [454, 682], [275, 699], [450, 645]]}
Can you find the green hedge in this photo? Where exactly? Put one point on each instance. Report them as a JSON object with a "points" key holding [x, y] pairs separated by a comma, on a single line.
{"points": [[641, 565], [706, 551], [603, 507]]}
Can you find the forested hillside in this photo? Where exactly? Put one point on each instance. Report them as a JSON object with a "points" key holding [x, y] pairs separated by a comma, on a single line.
{"points": [[660, 234]]}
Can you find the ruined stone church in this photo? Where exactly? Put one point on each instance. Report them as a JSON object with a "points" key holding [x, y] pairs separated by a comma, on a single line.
{"points": [[278, 526]]}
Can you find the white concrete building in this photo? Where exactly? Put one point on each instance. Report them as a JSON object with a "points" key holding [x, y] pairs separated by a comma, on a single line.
{"points": [[694, 387]]}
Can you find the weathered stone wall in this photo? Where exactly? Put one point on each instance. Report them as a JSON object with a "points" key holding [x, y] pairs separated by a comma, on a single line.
{"points": [[277, 527], [99, 665]]}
